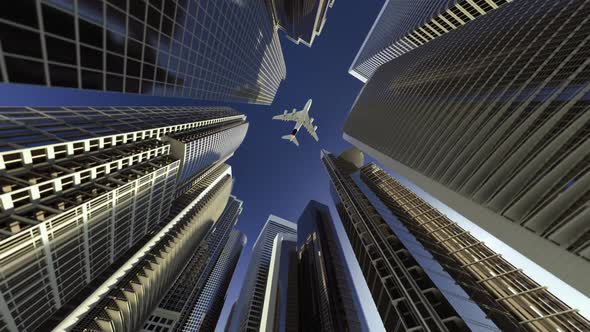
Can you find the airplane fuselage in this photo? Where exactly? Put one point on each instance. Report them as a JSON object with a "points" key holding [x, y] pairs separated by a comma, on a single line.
{"points": [[296, 128]]}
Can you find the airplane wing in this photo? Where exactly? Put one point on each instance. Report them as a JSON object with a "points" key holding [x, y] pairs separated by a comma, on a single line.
{"points": [[311, 129], [293, 116]]}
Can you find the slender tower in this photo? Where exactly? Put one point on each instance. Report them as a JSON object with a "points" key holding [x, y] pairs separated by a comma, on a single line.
{"points": [[176, 306], [327, 300], [205, 314], [491, 118], [250, 303], [433, 281], [126, 299]]}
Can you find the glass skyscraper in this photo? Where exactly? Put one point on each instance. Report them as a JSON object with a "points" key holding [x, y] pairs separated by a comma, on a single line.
{"points": [[205, 314], [249, 305], [182, 297], [301, 21], [403, 25], [492, 119], [83, 190], [326, 295], [201, 49], [426, 272], [280, 308]]}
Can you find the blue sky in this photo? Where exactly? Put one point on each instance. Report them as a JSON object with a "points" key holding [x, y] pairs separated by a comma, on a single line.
{"points": [[273, 176]]}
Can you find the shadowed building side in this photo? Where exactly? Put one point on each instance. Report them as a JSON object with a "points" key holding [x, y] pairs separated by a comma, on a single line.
{"points": [[223, 51], [205, 315], [301, 20], [326, 293]]}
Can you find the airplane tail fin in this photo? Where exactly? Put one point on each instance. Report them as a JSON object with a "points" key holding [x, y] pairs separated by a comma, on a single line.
{"points": [[291, 138]]}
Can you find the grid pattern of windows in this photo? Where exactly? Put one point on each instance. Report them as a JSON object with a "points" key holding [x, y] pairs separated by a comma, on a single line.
{"points": [[202, 49], [251, 301], [410, 289], [28, 127], [533, 305], [156, 265], [72, 210], [46, 265], [188, 287], [206, 146], [404, 25], [206, 311], [498, 113]]}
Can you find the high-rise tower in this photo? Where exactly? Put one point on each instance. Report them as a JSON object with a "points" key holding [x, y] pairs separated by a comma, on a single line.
{"points": [[492, 119], [403, 25], [201, 49], [83, 189], [423, 270], [326, 294], [205, 314], [180, 300], [280, 308], [303, 20], [250, 303], [125, 300]]}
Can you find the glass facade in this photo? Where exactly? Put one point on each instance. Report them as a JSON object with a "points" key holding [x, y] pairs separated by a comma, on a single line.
{"points": [[280, 309], [183, 295], [404, 25], [492, 119], [326, 294], [249, 305], [220, 50], [205, 314], [27, 127], [303, 20]]}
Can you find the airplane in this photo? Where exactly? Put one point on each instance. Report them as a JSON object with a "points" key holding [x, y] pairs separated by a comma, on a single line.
{"points": [[302, 119]]}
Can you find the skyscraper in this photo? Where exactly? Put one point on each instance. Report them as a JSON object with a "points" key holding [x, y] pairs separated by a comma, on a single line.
{"points": [[182, 297], [403, 25], [492, 119], [205, 314], [280, 307], [423, 270], [83, 189], [124, 301], [249, 305], [303, 20], [326, 294], [201, 49]]}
